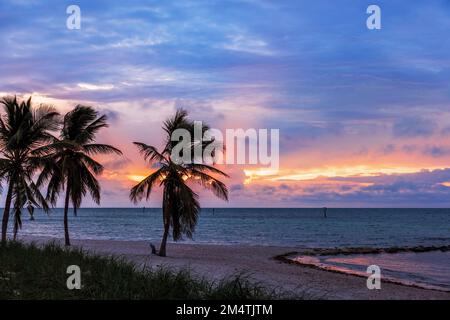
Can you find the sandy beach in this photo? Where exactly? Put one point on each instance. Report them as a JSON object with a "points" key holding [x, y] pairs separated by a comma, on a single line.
{"points": [[218, 261]]}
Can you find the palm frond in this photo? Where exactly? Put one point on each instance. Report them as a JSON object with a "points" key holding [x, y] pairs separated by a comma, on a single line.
{"points": [[97, 148], [150, 153], [188, 208], [205, 168], [55, 146], [218, 188], [76, 121], [146, 185], [90, 163], [91, 130], [91, 184]]}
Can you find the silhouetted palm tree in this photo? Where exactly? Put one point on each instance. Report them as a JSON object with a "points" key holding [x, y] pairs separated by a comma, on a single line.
{"points": [[23, 129], [180, 203], [67, 162]]}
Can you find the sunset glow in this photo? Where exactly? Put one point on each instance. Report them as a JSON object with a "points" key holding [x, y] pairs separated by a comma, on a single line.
{"points": [[361, 122], [136, 178]]}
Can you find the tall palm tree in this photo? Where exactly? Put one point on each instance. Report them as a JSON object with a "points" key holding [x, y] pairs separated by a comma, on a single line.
{"points": [[180, 203], [68, 164], [23, 129]]}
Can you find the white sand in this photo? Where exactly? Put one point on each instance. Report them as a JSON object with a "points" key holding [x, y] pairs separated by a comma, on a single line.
{"points": [[218, 261]]}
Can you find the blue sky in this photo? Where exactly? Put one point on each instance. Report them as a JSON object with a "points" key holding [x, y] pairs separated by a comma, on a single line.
{"points": [[365, 114]]}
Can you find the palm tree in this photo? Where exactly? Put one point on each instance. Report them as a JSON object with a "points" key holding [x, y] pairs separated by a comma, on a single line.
{"points": [[180, 203], [23, 129], [68, 164]]}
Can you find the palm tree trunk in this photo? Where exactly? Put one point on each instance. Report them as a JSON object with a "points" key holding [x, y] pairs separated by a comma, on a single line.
{"points": [[16, 228], [6, 210], [162, 247], [66, 220]]}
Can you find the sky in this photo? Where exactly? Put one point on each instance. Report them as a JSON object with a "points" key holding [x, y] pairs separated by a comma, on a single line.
{"points": [[364, 115]]}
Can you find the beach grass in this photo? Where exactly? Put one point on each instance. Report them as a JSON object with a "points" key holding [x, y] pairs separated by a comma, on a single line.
{"points": [[29, 271]]}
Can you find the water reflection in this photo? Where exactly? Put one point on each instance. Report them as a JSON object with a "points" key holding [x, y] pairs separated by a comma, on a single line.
{"points": [[428, 269]]}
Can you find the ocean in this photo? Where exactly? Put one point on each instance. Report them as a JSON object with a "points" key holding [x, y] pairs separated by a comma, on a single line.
{"points": [[277, 227]]}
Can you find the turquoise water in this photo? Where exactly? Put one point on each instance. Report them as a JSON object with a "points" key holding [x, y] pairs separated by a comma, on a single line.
{"points": [[283, 227]]}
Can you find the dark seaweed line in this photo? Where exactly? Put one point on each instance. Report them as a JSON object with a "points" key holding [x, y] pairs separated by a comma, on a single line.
{"points": [[363, 250]]}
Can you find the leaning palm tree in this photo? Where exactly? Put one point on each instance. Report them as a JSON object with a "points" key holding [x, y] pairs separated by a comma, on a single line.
{"points": [[68, 164], [180, 203], [23, 129]]}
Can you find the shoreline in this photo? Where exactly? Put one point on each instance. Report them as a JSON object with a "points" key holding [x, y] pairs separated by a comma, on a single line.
{"points": [[216, 262], [285, 259], [289, 257]]}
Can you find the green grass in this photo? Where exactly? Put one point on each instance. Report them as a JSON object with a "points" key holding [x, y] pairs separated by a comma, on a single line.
{"points": [[39, 272]]}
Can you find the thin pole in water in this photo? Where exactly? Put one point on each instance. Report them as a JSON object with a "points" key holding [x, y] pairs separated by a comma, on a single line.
{"points": [[325, 212]]}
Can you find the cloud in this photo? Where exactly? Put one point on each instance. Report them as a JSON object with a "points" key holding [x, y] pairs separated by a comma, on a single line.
{"points": [[117, 164], [156, 37], [426, 188], [445, 131], [247, 44], [436, 151], [409, 148], [337, 100], [236, 187], [389, 149], [414, 127], [94, 87], [113, 116]]}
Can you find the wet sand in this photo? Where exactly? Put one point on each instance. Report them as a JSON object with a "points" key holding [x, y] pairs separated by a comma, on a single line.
{"points": [[218, 261]]}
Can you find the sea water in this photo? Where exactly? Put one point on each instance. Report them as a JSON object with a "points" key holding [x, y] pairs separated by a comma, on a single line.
{"points": [[259, 226]]}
